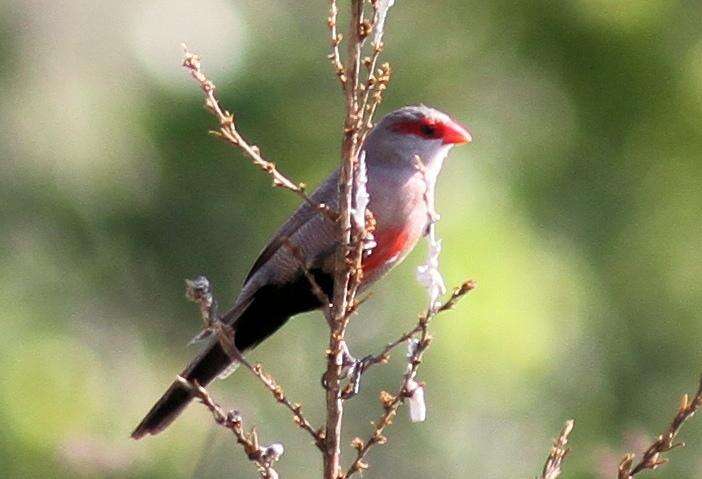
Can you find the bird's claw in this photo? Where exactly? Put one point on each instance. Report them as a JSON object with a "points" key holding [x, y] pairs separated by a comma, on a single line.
{"points": [[355, 371], [352, 369]]}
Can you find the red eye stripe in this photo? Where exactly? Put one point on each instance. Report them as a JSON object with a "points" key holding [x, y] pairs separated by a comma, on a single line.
{"points": [[448, 131], [425, 128]]}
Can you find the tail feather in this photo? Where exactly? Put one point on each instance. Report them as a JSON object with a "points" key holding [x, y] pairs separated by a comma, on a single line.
{"points": [[253, 322], [206, 367]]}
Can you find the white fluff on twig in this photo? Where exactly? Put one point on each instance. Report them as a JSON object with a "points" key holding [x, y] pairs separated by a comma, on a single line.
{"points": [[383, 7], [361, 200], [430, 277], [415, 401], [428, 274], [362, 197], [415, 391], [274, 452]]}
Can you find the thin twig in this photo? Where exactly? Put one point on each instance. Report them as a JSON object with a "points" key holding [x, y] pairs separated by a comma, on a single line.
{"points": [[262, 456], [392, 402], [361, 232], [199, 291], [377, 86], [314, 285], [357, 35], [296, 408], [554, 461], [376, 82], [226, 338], [430, 276], [652, 457], [335, 40], [342, 273], [384, 355], [228, 132]]}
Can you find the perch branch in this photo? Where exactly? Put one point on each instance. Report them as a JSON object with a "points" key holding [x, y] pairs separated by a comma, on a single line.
{"points": [[228, 132], [342, 272], [262, 456], [384, 355], [559, 451], [199, 291], [392, 402], [376, 82], [335, 40], [652, 457], [348, 265]]}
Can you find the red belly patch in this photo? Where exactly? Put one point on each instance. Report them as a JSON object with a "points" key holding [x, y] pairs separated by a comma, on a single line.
{"points": [[390, 243]]}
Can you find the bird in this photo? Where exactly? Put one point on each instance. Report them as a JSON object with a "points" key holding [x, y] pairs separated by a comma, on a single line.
{"points": [[278, 286]]}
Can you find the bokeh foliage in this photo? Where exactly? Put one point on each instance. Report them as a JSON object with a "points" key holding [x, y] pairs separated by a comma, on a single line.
{"points": [[577, 209]]}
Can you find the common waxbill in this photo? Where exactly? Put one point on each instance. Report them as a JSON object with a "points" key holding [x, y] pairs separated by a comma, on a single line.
{"points": [[276, 288]]}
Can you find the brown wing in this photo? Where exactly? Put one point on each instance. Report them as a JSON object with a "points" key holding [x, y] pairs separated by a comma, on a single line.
{"points": [[326, 193]]}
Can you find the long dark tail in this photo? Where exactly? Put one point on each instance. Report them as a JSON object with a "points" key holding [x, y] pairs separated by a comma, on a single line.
{"points": [[207, 366], [264, 315], [252, 327]]}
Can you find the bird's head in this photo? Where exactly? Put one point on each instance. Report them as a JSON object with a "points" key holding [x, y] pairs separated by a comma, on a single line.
{"points": [[415, 131]]}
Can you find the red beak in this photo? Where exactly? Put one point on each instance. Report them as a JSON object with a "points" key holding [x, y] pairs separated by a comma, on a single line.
{"points": [[455, 134]]}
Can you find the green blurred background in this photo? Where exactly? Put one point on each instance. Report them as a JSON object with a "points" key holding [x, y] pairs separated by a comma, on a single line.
{"points": [[577, 209]]}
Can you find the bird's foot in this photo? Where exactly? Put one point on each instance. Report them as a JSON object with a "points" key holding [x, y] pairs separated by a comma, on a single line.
{"points": [[352, 369], [355, 372]]}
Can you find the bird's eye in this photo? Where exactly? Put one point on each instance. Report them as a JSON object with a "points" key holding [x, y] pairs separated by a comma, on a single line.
{"points": [[428, 130]]}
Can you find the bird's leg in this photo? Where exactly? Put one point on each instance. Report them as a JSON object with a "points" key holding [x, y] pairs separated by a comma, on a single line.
{"points": [[356, 371], [352, 369], [347, 362]]}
